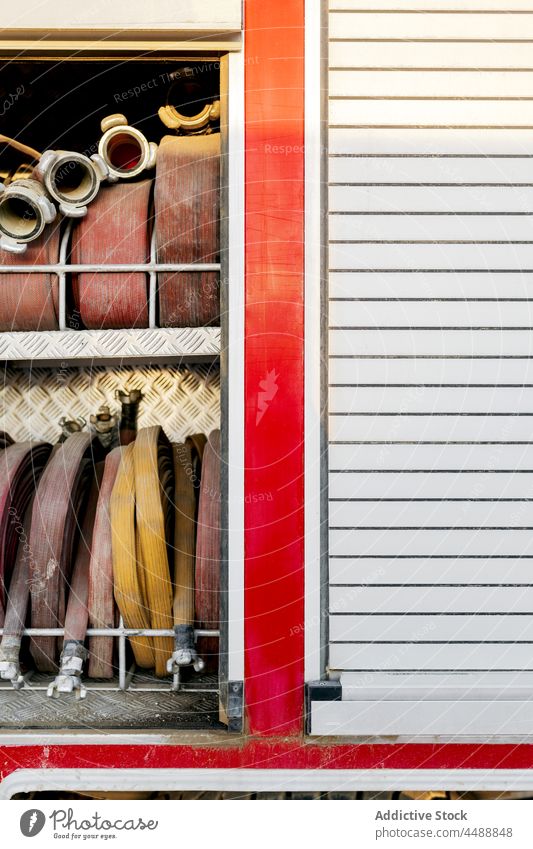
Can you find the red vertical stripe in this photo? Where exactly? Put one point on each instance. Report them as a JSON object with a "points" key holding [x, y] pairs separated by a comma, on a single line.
{"points": [[274, 365]]}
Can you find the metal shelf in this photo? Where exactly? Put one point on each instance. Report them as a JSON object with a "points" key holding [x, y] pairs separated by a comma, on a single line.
{"points": [[109, 347]]}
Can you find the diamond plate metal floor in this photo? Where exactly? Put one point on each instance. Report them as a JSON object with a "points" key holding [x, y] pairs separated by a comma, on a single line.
{"points": [[190, 709]]}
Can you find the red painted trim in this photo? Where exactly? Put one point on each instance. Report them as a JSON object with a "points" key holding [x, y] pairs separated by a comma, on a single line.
{"points": [[274, 365], [273, 754]]}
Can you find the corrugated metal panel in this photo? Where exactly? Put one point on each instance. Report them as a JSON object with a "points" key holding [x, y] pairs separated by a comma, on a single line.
{"points": [[430, 345]]}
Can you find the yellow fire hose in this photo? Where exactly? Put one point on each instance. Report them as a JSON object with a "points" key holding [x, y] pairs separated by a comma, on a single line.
{"points": [[141, 526], [154, 485], [153, 514], [126, 569]]}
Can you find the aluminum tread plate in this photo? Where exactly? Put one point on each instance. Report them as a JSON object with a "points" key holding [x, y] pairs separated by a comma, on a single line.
{"points": [[101, 346], [183, 400], [32, 709]]}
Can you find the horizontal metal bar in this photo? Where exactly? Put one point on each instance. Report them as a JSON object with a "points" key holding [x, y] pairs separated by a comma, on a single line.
{"points": [[165, 688], [114, 632], [59, 268]]}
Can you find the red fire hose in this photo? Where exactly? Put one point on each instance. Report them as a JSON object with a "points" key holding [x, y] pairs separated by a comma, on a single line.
{"points": [[60, 496], [31, 301], [73, 652], [187, 228], [17, 604], [21, 465], [101, 600], [115, 231], [207, 572]]}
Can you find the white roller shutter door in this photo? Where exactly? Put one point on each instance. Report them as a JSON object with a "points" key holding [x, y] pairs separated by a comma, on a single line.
{"points": [[430, 372]]}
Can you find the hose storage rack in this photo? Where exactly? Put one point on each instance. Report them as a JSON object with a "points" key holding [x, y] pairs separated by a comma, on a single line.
{"points": [[132, 344], [178, 372]]}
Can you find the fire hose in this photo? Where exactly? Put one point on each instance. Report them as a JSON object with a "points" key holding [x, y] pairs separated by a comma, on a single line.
{"points": [[5, 439], [67, 179], [31, 301], [142, 522], [21, 465], [59, 500], [16, 607], [114, 231], [187, 228], [101, 603], [154, 493], [81, 529], [207, 572], [128, 580], [186, 460], [73, 652]]}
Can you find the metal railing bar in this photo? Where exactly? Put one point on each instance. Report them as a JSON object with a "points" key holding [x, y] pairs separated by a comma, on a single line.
{"points": [[59, 267], [152, 286], [62, 281], [121, 656], [114, 632], [99, 688]]}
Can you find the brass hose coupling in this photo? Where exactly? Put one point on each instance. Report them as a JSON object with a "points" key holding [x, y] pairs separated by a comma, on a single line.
{"points": [[193, 124], [25, 210], [124, 149], [105, 425], [70, 426], [71, 179], [129, 400]]}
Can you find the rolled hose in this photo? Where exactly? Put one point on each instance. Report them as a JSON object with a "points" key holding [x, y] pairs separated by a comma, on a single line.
{"points": [[187, 460], [187, 228], [5, 439], [17, 603], [154, 494], [142, 527], [207, 571], [73, 651], [184, 534], [101, 601], [21, 466], [128, 583], [59, 501], [116, 230], [31, 301]]}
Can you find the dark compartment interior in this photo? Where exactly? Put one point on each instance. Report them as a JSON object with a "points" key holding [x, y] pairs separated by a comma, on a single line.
{"points": [[59, 105]]}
